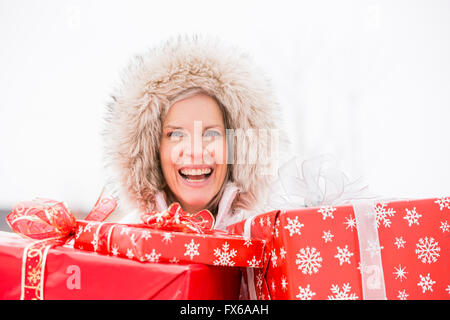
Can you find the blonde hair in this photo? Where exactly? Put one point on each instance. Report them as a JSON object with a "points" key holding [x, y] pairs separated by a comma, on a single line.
{"points": [[170, 197]]}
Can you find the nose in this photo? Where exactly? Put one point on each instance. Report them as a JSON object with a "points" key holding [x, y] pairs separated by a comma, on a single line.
{"points": [[193, 148], [193, 152]]}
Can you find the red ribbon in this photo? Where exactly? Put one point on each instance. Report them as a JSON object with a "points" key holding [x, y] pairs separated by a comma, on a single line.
{"points": [[52, 224], [175, 219]]}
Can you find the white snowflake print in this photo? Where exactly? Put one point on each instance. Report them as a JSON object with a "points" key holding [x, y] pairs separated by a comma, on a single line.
{"points": [[402, 295], [224, 256], [273, 258], [174, 260], [350, 222], [115, 250], [277, 228], [327, 212], [327, 236], [412, 217], [343, 294], [284, 283], [343, 255], [443, 202], [445, 227], [399, 242], [305, 293], [276, 232], [248, 242], [308, 260], [130, 254], [448, 289], [124, 230], [79, 232], [146, 234], [87, 227], [133, 239], [254, 263], [192, 249], [282, 253], [261, 221], [427, 250], [294, 226], [400, 272], [94, 242], [360, 267], [167, 237], [153, 256], [383, 214], [373, 248], [426, 283], [273, 286]]}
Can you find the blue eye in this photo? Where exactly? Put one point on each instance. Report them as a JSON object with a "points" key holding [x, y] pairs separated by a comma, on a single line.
{"points": [[175, 133], [212, 133]]}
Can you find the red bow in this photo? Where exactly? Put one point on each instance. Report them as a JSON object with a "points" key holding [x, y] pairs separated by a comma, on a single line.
{"points": [[175, 219], [52, 223], [42, 219]]}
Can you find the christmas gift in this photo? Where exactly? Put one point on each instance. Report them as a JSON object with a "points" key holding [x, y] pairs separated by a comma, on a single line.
{"points": [[82, 275], [150, 245], [368, 249], [169, 236]]}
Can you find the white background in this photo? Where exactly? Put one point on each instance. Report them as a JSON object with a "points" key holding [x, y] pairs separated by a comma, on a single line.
{"points": [[366, 81]]}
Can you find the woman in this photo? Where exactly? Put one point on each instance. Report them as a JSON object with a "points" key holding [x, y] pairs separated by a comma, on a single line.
{"points": [[193, 122]]}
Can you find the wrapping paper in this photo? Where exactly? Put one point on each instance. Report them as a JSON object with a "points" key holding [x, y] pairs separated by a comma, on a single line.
{"points": [[314, 253], [150, 245], [51, 224], [77, 274]]}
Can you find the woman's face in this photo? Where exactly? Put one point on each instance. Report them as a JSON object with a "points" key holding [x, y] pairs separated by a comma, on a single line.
{"points": [[193, 151]]}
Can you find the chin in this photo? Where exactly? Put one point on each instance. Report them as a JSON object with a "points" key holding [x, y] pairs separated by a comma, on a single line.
{"points": [[195, 201]]}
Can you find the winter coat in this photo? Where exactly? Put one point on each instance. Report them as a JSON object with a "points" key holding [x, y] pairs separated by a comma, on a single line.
{"points": [[133, 123]]}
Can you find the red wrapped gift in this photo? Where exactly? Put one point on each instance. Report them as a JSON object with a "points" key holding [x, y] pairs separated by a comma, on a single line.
{"points": [[52, 224], [149, 245], [76, 274], [390, 250]]}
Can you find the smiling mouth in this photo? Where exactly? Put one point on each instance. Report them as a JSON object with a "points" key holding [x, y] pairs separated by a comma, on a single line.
{"points": [[195, 175]]}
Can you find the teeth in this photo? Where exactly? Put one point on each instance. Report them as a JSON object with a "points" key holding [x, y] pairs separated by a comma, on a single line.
{"points": [[195, 172]]}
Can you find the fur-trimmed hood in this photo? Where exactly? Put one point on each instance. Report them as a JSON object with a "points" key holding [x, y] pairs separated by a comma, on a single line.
{"points": [[134, 117]]}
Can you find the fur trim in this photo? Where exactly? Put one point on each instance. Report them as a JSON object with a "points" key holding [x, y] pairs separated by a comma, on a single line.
{"points": [[133, 122]]}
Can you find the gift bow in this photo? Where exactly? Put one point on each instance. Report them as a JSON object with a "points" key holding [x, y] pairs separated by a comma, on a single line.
{"points": [[42, 219], [175, 219], [51, 223], [46, 219], [314, 182]]}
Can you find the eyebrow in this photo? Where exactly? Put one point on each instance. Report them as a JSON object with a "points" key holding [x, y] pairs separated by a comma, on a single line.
{"points": [[205, 128], [172, 127]]}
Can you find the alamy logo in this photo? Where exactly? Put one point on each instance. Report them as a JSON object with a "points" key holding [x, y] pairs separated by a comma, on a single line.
{"points": [[73, 282], [373, 280], [241, 146]]}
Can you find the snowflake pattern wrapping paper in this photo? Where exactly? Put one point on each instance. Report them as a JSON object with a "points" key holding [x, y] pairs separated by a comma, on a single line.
{"points": [[83, 275], [150, 245], [314, 253]]}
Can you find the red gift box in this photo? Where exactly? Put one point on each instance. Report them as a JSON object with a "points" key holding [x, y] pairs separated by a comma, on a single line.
{"points": [[149, 245], [315, 253], [76, 274], [52, 224]]}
